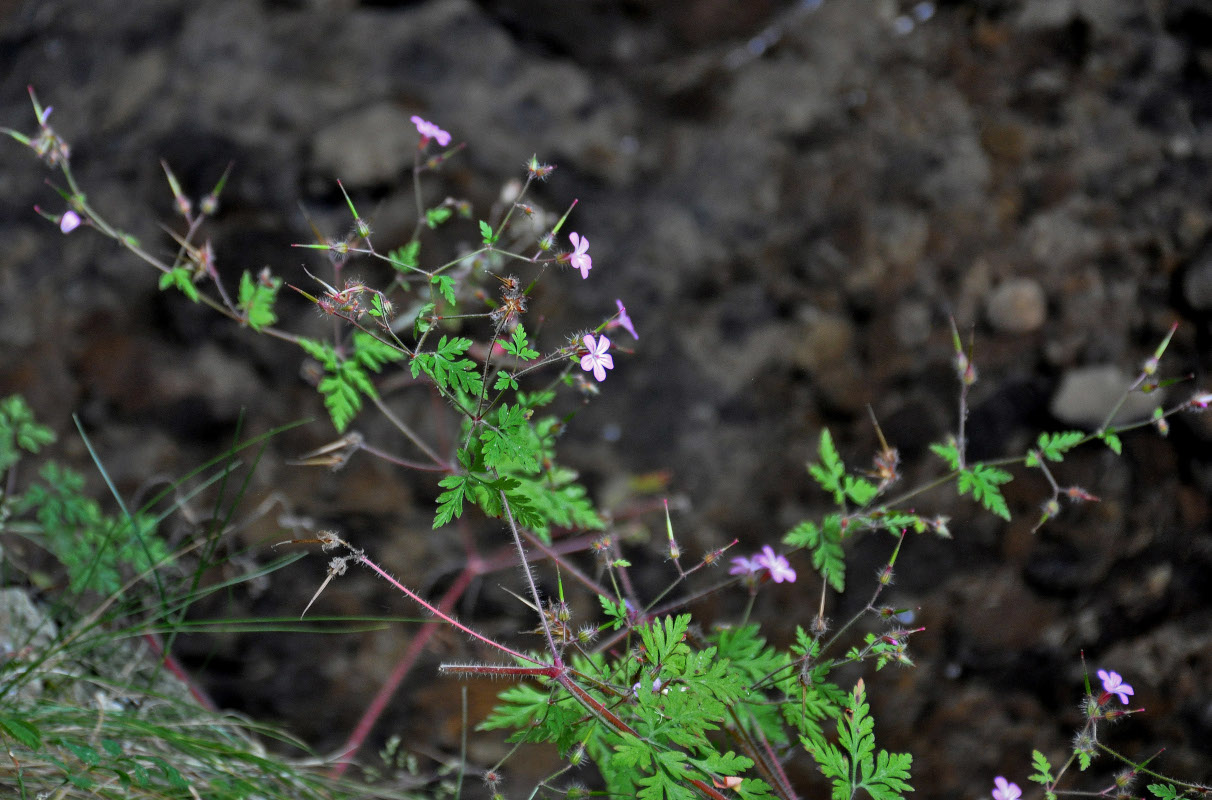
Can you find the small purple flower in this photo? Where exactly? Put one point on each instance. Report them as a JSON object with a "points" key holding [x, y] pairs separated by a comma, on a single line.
{"points": [[428, 130], [780, 570], [69, 221], [597, 359], [624, 321], [1113, 684], [1005, 789], [580, 258], [1201, 400], [745, 566]]}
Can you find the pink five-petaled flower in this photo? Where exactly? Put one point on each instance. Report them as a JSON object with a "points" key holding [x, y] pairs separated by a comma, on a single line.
{"points": [[780, 570], [69, 221], [1005, 789], [580, 258], [745, 566], [1113, 684], [430, 131], [624, 321], [597, 360]]}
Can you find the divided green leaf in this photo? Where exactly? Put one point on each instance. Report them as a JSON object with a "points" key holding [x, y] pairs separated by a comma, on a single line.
{"points": [[18, 431], [983, 482], [445, 286], [182, 279], [447, 367], [405, 259], [257, 298], [520, 346], [853, 763], [829, 471], [1053, 446], [824, 543]]}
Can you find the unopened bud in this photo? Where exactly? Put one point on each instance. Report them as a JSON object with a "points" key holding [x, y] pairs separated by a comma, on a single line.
{"points": [[886, 575], [69, 221], [537, 170]]}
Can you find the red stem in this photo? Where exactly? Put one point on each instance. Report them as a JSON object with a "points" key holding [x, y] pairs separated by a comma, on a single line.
{"points": [[174, 666]]}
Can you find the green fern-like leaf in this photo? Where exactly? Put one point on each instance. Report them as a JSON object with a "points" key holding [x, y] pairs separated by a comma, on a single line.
{"points": [[854, 764], [181, 278], [19, 431], [346, 380], [97, 550], [450, 502], [983, 482], [373, 353], [405, 259], [829, 470], [445, 287], [519, 345], [825, 545], [1053, 446], [257, 298], [948, 452], [447, 367], [664, 639], [510, 443]]}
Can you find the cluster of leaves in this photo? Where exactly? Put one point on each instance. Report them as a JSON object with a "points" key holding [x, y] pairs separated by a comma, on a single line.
{"points": [[98, 551], [346, 378], [509, 457], [854, 495], [676, 701], [853, 763]]}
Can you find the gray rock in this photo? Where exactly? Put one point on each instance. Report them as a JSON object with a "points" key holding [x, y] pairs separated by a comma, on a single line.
{"points": [[1017, 306], [1197, 282], [366, 148], [1087, 394]]}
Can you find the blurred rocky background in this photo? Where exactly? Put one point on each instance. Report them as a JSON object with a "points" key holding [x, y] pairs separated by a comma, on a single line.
{"points": [[791, 198]]}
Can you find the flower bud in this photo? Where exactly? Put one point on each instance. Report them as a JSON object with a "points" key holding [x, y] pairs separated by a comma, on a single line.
{"points": [[69, 221]]}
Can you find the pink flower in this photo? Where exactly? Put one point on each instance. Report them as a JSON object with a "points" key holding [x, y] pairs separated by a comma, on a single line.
{"points": [[745, 566], [624, 321], [1201, 400], [780, 570], [1113, 684], [1005, 789], [69, 221], [580, 258], [597, 359], [430, 131]]}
